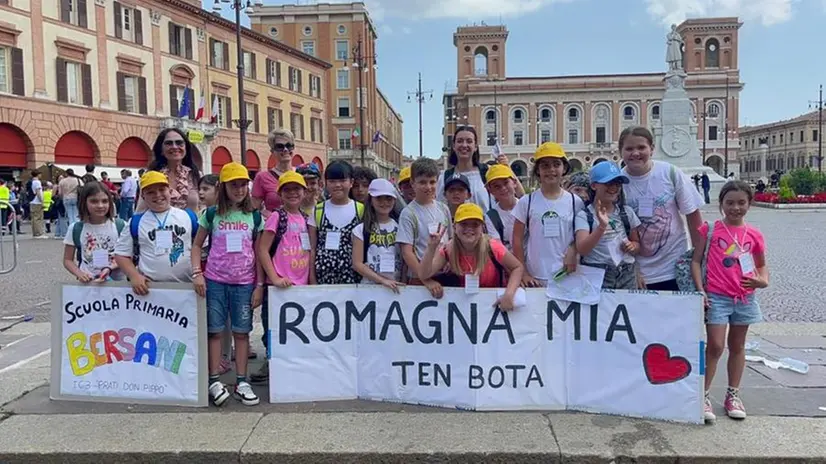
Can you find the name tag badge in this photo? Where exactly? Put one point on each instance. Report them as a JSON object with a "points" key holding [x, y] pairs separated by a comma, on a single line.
{"points": [[551, 227], [471, 284], [100, 258], [163, 241], [615, 250], [387, 261], [234, 242], [432, 228], [305, 241], [646, 207], [333, 241], [746, 263]]}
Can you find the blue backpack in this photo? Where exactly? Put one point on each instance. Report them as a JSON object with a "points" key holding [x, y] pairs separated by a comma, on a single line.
{"points": [[134, 227]]}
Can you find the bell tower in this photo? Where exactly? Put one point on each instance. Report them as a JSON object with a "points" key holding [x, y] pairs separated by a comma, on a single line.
{"points": [[710, 44], [480, 53]]}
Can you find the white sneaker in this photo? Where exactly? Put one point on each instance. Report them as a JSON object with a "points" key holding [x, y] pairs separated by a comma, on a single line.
{"points": [[218, 392], [244, 393], [708, 411]]}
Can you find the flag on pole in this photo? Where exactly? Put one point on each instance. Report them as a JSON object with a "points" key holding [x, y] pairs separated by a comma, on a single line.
{"points": [[377, 136], [213, 118], [356, 133], [183, 112], [201, 105]]}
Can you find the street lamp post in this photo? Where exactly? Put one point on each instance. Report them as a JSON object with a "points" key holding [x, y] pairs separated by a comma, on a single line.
{"points": [[725, 142], [420, 96], [242, 122], [358, 60], [704, 114], [819, 105]]}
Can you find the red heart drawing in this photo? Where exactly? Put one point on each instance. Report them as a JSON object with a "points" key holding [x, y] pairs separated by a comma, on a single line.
{"points": [[662, 368]]}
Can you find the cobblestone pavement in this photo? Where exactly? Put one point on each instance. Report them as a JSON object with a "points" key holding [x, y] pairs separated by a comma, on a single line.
{"points": [[796, 256]]}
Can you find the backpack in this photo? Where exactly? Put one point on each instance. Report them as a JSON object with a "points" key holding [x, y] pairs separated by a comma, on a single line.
{"points": [[483, 171], [281, 228], [77, 229], [498, 225], [528, 216], [319, 212], [213, 210], [626, 223], [134, 228], [445, 211], [685, 282], [449, 279]]}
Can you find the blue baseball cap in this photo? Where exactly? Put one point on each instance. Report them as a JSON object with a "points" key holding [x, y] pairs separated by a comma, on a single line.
{"points": [[607, 172]]}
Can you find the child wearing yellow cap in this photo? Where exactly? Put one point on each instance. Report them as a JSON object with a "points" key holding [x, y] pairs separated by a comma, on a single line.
{"points": [[543, 233], [501, 184], [229, 280], [406, 186], [471, 259]]}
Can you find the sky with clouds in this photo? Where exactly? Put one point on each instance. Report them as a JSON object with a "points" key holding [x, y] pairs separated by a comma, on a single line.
{"points": [[778, 47]]}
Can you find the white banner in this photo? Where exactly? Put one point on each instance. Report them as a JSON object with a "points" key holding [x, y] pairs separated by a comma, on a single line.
{"points": [[635, 353], [111, 345]]}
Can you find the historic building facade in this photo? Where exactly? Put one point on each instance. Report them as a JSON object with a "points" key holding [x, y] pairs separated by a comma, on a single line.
{"points": [[587, 113], [338, 33], [102, 77], [780, 146]]}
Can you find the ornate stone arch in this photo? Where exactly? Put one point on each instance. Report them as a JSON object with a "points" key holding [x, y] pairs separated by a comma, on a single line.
{"points": [[573, 125], [181, 75], [601, 115], [632, 108]]}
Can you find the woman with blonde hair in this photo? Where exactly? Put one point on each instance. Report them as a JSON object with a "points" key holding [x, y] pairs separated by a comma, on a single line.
{"points": [[471, 259], [265, 186]]}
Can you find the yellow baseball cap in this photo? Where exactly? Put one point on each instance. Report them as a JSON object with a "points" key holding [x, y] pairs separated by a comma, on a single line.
{"points": [[498, 171], [549, 150], [291, 177], [404, 174], [153, 177], [468, 211], [233, 171]]}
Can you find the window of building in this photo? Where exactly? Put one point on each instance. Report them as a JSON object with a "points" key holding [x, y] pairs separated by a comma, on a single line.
{"points": [[128, 23], [225, 112], [713, 110], [297, 125], [573, 136], [130, 94], [712, 53], [74, 12], [315, 86], [343, 79], [802, 138], [601, 134], [781, 138], [275, 119], [491, 138], [342, 50], [219, 54], [344, 107], [180, 41], [345, 141], [814, 135], [518, 138], [249, 65], [544, 135], [628, 113], [252, 115], [273, 31], [518, 116], [712, 133], [5, 70], [295, 79], [308, 47], [315, 130], [573, 115], [490, 116], [342, 29], [308, 31], [273, 72], [655, 112], [791, 138], [774, 140], [176, 96], [74, 83], [545, 115]]}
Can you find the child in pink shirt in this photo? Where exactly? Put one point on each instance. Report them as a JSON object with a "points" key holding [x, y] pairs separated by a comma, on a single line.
{"points": [[735, 267]]}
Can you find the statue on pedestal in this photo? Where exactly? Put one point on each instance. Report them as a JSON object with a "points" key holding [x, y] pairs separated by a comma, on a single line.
{"points": [[674, 52]]}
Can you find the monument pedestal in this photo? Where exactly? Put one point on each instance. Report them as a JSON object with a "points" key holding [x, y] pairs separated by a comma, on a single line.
{"points": [[675, 133]]}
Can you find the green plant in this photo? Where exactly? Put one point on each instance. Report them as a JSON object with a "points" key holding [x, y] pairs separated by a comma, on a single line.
{"points": [[804, 181], [786, 193]]}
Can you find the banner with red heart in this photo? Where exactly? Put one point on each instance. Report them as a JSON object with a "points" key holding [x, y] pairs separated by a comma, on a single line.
{"points": [[661, 368]]}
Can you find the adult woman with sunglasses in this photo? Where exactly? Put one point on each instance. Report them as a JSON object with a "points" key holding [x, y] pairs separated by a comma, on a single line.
{"points": [[172, 155], [265, 185]]}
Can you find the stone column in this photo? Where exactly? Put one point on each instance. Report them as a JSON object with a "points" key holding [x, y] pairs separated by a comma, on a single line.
{"points": [[156, 62], [103, 62]]}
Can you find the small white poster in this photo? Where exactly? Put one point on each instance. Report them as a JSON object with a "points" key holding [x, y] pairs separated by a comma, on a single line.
{"points": [[111, 345]]}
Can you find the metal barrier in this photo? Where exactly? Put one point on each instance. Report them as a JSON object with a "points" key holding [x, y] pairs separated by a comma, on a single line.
{"points": [[8, 238]]}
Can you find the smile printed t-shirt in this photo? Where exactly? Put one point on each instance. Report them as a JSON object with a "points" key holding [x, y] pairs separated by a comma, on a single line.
{"points": [[231, 253], [291, 260]]}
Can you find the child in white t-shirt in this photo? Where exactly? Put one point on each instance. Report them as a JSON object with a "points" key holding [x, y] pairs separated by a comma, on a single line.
{"points": [[543, 233], [89, 246], [501, 184]]}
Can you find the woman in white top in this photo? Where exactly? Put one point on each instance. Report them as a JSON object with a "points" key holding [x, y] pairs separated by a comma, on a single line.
{"points": [[660, 194]]}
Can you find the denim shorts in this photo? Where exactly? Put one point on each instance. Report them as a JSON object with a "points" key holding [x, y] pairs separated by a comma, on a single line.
{"points": [[726, 310], [229, 301]]}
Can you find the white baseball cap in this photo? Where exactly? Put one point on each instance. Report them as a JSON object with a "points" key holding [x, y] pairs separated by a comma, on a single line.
{"points": [[381, 188]]}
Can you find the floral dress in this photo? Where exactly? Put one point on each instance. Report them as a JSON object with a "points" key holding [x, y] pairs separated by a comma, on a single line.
{"points": [[336, 266]]}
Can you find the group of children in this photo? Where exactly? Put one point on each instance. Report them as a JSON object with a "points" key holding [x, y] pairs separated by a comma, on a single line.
{"points": [[371, 231]]}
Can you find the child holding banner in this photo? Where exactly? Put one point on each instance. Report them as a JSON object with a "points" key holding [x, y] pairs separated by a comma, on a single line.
{"points": [[333, 222], [229, 280], [376, 254], [501, 184], [158, 239], [89, 247], [611, 243], [735, 267], [421, 217], [543, 233], [472, 259]]}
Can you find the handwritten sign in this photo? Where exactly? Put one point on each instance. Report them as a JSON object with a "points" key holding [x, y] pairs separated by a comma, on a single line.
{"points": [[111, 345], [634, 353]]}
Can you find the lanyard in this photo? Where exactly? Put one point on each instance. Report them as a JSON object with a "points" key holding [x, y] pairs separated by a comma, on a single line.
{"points": [[161, 225], [733, 237]]}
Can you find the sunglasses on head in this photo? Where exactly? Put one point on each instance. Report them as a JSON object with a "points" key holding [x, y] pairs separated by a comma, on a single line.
{"points": [[284, 146], [177, 143]]}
